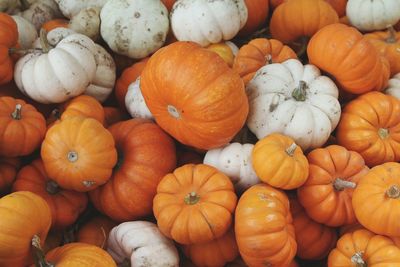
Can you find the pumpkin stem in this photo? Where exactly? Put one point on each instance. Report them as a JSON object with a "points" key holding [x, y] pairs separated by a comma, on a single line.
{"points": [[393, 191], [14, 50], [44, 43], [125, 263], [38, 254], [340, 184], [56, 113], [192, 198], [383, 133], [72, 156], [290, 150], [392, 35], [303, 42], [358, 260], [299, 94], [173, 111], [52, 187], [16, 115], [268, 59]]}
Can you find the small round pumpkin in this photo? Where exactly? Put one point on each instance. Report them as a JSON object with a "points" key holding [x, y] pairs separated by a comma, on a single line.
{"points": [[84, 105], [8, 39], [8, 172], [194, 204], [96, 231], [258, 11], [224, 51]]}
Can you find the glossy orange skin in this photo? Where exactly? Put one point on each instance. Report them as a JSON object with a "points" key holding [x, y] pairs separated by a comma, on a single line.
{"points": [[8, 39], [95, 149], [145, 154], [202, 106], [376, 250], [217, 252], [8, 172], [168, 4], [23, 214], [257, 11], [96, 231], [257, 53], [86, 106], [224, 51], [202, 221], [113, 115], [264, 227], [349, 58], [294, 19], [314, 240], [322, 202], [65, 205], [358, 129], [20, 137], [55, 23]]}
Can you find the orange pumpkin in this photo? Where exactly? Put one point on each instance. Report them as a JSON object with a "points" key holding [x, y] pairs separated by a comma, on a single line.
{"points": [[339, 6], [95, 231], [275, 3], [55, 23], [224, 51], [370, 125], [145, 155], [264, 228], [194, 204], [113, 115], [259, 52], [296, 19], [314, 240], [349, 58], [334, 173], [217, 252], [202, 106], [168, 4], [8, 172], [364, 248], [22, 127], [84, 105], [257, 11], [279, 162], [8, 39], [23, 215], [65, 205], [79, 153]]}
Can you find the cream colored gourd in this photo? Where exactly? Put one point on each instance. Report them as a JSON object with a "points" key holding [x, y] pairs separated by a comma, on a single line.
{"points": [[206, 22], [87, 22], [234, 160], [134, 28], [27, 33], [71, 8], [373, 14], [293, 100], [393, 88], [134, 102], [40, 11], [141, 244]]}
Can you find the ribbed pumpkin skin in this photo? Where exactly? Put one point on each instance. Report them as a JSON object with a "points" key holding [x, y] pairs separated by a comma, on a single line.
{"points": [[257, 15], [96, 231], [8, 39], [86, 106], [8, 172]]}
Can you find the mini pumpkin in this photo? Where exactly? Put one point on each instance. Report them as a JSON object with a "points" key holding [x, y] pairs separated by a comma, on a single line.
{"points": [[85, 106], [8, 172], [87, 22], [40, 11], [8, 39], [71, 8], [393, 88], [55, 23], [27, 33], [224, 51], [134, 102], [96, 231], [258, 11]]}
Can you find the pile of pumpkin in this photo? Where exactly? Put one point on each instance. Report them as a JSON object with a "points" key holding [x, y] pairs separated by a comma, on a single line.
{"points": [[223, 142]]}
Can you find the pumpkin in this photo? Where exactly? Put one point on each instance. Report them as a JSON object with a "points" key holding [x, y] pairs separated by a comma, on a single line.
{"points": [[9, 6], [168, 4], [258, 11], [40, 11], [259, 52], [141, 244], [364, 248], [65, 205], [23, 215], [326, 196], [215, 106], [224, 51], [145, 155], [134, 102], [8, 39], [314, 240], [339, 6], [275, 3], [79, 154], [96, 231], [85, 106], [217, 252], [376, 199], [335, 49], [26, 32], [134, 28], [87, 22], [205, 22], [373, 15], [369, 126], [71, 8], [393, 88], [388, 45], [296, 19], [279, 162], [294, 100], [264, 228], [234, 160], [113, 115], [22, 126], [194, 204], [55, 23], [8, 172]]}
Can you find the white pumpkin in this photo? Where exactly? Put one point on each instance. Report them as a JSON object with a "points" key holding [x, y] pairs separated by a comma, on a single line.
{"points": [[373, 14], [59, 74], [71, 8], [393, 88], [142, 244], [234, 160], [27, 33], [40, 11], [134, 102], [87, 22], [206, 22], [134, 28], [294, 100], [10, 6], [234, 48]]}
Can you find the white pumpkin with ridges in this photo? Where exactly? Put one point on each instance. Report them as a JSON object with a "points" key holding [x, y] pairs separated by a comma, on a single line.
{"points": [[87, 22], [70, 8], [393, 88], [40, 11], [134, 102], [27, 33]]}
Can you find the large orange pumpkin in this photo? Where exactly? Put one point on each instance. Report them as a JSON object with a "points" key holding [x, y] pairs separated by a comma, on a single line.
{"points": [[194, 204], [339, 6], [8, 39], [8, 172], [194, 95], [333, 175], [84, 105], [264, 228], [96, 231], [257, 13], [370, 125], [349, 58], [145, 155]]}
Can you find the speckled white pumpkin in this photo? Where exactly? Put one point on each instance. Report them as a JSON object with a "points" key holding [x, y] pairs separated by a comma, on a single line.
{"points": [[206, 22], [87, 22], [40, 11], [393, 88], [134, 28], [234, 160], [293, 100], [70, 8], [27, 33], [142, 244], [134, 102], [373, 14]]}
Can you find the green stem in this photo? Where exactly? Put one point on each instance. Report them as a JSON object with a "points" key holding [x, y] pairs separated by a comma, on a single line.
{"points": [[16, 115], [38, 254], [43, 41], [192, 198], [299, 94], [340, 184], [392, 35]]}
